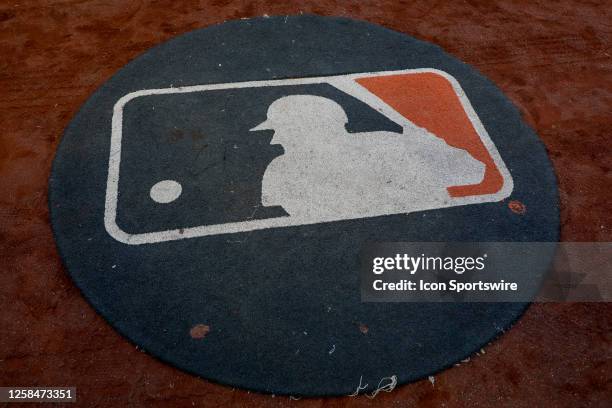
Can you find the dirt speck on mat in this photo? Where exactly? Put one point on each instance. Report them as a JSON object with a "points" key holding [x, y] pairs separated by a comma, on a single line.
{"points": [[517, 207], [199, 331]]}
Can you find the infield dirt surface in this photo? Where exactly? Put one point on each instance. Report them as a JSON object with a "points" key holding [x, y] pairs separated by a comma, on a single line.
{"points": [[551, 59]]}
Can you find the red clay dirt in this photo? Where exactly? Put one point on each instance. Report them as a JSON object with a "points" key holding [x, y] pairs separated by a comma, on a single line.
{"points": [[551, 58]]}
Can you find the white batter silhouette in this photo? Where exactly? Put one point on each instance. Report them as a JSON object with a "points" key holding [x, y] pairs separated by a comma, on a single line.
{"points": [[328, 173]]}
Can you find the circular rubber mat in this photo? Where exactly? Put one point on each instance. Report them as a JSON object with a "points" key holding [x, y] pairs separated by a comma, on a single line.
{"points": [[211, 200]]}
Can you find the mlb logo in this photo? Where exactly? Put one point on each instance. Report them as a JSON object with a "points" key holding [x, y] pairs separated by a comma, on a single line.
{"points": [[226, 158]]}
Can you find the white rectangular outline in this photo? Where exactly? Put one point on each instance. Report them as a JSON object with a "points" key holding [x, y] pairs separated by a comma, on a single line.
{"points": [[344, 82]]}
